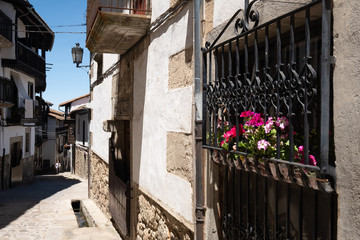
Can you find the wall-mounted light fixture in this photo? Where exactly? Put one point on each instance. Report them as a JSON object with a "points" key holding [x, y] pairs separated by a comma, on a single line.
{"points": [[77, 55]]}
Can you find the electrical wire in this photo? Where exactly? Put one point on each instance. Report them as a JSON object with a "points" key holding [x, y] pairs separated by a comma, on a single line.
{"points": [[33, 31], [72, 25]]}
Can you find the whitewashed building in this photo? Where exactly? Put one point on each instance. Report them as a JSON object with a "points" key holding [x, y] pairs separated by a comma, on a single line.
{"points": [[24, 40], [77, 122], [54, 134]]}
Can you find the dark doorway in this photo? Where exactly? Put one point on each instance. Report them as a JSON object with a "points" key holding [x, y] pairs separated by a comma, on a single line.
{"points": [[16, 169], [119, 177]]}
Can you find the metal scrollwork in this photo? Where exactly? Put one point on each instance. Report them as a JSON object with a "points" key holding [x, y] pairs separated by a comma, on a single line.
{"points": [[249, 16]]}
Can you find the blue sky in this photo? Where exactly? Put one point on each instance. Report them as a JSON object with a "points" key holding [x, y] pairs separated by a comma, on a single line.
{"points": [[64, 80]]}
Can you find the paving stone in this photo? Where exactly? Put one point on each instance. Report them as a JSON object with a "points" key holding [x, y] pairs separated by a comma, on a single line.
{"points": [[42, 211]]}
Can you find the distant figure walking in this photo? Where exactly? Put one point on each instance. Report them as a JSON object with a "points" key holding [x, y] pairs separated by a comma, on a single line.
{"points": [[57, 166]]}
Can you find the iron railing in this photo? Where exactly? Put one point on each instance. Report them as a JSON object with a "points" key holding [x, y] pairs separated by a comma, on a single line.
{"points": [[30, 58], [7, 90], [141, 7], [280, 68], [5, 26]]}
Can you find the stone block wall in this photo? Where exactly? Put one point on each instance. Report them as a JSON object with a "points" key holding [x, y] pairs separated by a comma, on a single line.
{"points": [[179, 159], [346, 87], [99, 183], [154, 222], [81, 162]]}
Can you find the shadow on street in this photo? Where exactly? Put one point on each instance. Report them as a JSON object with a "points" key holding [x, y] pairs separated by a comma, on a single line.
{"points": [[16, 201]]}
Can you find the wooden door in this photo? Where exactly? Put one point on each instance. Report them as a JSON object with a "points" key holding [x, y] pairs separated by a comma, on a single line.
{"points": [[119, 177]]}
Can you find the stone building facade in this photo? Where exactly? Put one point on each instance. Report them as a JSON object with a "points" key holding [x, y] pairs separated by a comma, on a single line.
{"points": [[144, 157]]}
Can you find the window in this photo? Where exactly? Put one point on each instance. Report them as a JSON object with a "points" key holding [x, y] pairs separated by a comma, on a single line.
{"points": [[99, 59], [78, 126], [83, 132], [27, 142], [31, 90], [274, 70]]}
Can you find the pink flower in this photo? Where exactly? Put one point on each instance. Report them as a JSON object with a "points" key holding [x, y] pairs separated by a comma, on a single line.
{"points": [[270, 120], [246, 114], [232, 133], [262, 144], [312, 160], [300, 156], [301, 150], [300, 153], [282, 122], [255, 121], [269, 125]]}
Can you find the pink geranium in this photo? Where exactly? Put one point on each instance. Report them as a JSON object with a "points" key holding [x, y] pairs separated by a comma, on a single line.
{"points": [[312, 160], [232, 133], [246, 114], [256, 120]]}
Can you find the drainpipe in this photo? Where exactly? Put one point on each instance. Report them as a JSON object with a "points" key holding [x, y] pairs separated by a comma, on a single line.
{"points": [[199, 158], [2, 170]]}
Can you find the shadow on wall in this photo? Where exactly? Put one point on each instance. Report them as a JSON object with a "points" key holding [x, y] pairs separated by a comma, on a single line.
{"points": [[16, 201]]}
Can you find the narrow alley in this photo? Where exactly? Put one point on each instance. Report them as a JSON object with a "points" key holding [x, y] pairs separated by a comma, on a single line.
{"points": [[43, 210]]}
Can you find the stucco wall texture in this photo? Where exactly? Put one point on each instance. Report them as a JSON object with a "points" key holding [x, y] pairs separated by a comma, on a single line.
{"points": [[346, 115], [162, 106]]}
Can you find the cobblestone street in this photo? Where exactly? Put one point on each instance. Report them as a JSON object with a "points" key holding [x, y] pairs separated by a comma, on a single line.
{"points": [[42, 210]]}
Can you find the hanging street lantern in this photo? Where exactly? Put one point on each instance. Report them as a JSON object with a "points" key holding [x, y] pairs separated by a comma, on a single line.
{"points": [[77, 54]]}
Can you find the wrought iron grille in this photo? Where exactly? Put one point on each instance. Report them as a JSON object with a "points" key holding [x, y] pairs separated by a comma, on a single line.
{"points": [[278, 70], [257, 207]]}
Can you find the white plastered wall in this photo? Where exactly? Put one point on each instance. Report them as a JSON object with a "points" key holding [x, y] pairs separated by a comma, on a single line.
{"points": [[158, 8], [16, 131], [158, 110], [78, 103], [101, 106], [224, 10], [49, 147]]}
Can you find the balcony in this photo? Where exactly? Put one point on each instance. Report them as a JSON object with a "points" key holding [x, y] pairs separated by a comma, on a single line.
{"points": [[114, 26], [7, 96], [29, 62], [5, 31], [23, 113]]}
